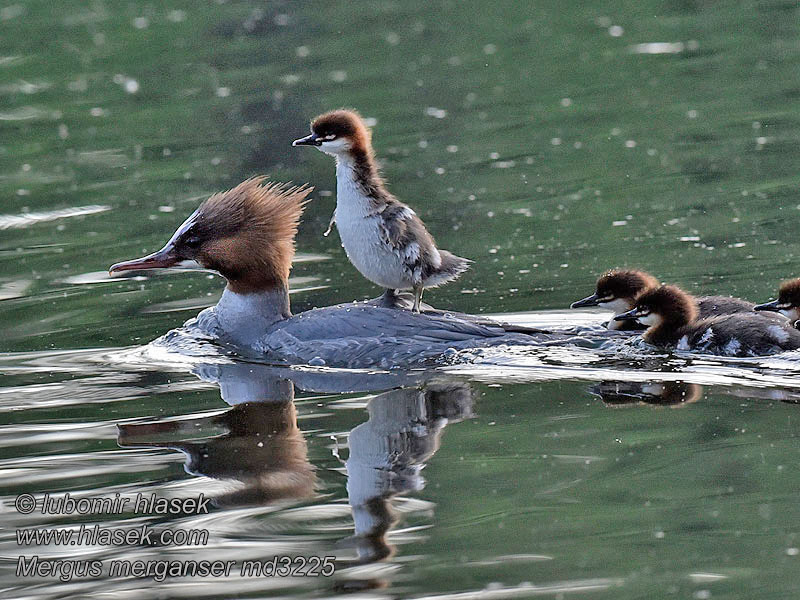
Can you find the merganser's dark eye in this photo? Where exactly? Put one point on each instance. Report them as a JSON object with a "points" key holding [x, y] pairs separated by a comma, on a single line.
{"points": [[192, 241]]}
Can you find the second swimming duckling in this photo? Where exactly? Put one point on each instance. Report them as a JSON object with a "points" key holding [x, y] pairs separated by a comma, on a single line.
{"points": [[672, 318], [617, 290]]}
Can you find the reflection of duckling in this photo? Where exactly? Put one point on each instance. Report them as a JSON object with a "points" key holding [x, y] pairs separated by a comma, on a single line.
{"points": [[389, 451], [617, 290], [672, 319], [261, 449], [662, 393]]}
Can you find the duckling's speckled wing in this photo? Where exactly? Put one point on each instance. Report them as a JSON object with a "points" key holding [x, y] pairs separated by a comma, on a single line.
{"points": [[742, 334], [405, 232]]}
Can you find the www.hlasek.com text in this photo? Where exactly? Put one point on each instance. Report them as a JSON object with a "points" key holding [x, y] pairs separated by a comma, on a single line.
{"points": [[111, 536]]}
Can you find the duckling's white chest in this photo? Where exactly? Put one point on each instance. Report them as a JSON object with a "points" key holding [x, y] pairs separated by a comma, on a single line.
{"points": [[360, 229]]}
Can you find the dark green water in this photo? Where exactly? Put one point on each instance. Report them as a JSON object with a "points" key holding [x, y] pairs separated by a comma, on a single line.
{"points": [[546, 141]]}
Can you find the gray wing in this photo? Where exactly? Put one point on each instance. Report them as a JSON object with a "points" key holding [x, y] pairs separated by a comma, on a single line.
{"points": [[360, 320], [362, 335]]}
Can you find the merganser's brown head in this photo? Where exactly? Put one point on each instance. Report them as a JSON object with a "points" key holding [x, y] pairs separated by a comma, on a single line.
{"points": [[663, 309], [339, 132], [788, 302], [617, 290], [245, 234]]}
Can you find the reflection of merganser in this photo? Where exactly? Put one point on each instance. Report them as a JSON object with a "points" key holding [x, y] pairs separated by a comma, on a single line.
{"points": [[256, 448], [617, 290], [671, 316], [247, 236], [383, 238]]}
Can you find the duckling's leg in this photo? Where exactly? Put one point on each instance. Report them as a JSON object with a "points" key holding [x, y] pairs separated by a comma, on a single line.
{"points": [[418, 289], [388, 299], [330, 225]]}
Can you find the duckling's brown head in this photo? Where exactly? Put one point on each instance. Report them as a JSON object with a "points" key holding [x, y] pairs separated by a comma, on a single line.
{"points": [[788, 302], [666, 304], [617, 289], [339, 132], [245, 234]]}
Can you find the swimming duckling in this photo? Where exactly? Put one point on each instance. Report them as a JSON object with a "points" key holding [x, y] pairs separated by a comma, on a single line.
{"points": [[617, 290], [383, 238], [788, 302], [672, 318]]}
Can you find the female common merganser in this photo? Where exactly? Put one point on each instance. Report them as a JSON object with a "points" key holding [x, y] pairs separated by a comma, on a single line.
{"points": [[672, 318], [617, 290], [383, 238], [788, 302], [247, 235]]}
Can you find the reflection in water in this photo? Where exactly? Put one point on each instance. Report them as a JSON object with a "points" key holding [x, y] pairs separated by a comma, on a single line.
{"points": [[261, 450], [663, 393], [258, 448], [389, 451]]}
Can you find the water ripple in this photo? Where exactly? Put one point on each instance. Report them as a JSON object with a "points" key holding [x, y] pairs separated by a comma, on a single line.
{"points": [[28, 219]]}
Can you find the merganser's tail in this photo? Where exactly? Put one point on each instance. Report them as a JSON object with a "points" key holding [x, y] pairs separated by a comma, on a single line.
{"points": [[450, 268]]}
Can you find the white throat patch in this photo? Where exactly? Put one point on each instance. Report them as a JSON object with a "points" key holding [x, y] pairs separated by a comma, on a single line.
{"points": [[617, 305], [650, 320], [335, 147]]}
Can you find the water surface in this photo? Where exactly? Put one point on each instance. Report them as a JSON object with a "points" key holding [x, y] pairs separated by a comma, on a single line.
{"points": [[547, 142]]}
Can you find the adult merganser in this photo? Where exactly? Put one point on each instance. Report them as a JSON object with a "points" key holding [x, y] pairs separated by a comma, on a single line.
{"points": [[671, 316], [247, 235], [383, 238], [617, 290], [788, 302]]}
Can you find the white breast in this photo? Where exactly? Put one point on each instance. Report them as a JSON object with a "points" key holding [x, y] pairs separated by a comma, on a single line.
{"points": [[360, 232]]}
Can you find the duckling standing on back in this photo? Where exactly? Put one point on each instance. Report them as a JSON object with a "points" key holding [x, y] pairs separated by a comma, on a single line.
{"points": [[617, 290], [788, 302], [383, 238], [672, 318]]}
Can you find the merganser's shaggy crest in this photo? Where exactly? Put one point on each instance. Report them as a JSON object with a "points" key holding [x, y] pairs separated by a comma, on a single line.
{"points": [[671, 316], [788, 302], [247, 235], [617, 290], [383, 238]]}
